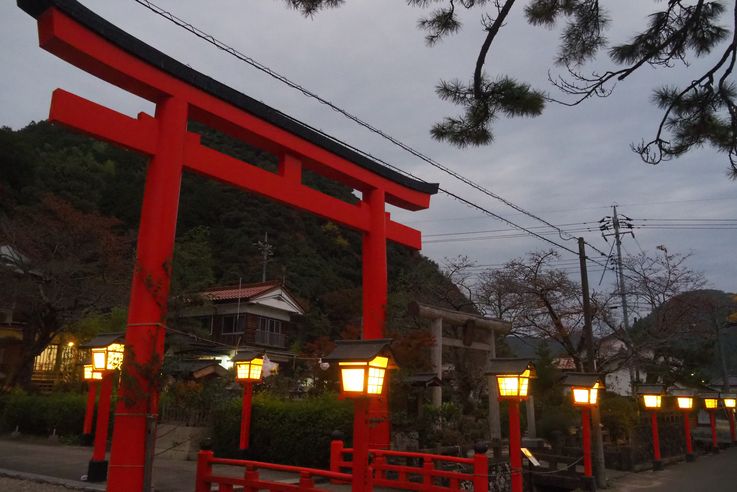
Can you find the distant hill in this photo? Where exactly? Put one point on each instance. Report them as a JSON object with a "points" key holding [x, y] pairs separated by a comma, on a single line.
{"points": [[219, 226]]}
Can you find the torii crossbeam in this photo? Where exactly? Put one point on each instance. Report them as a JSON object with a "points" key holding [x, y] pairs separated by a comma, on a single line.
{"points": [[72, 32]]}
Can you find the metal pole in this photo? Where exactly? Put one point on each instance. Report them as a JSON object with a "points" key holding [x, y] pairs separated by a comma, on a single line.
{"points": [[598, 441], [515, 444], [622, 293], [246, 415]]}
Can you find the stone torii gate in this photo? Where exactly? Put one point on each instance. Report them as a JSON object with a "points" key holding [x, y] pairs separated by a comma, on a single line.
{"points": [[76, 34], [474, 326]]}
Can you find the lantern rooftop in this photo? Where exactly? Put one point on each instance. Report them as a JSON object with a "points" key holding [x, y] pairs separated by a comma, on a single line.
{"points": [[709, 395], [425, 379], [731, 396], [245, 356], [683, 392], [582, 379], [103, 340], [651, 389], [359, 350], [143, 51], [510, 367]]}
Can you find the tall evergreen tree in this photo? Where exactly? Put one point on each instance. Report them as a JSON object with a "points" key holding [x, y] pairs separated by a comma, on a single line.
{"points": [[703, 112]]}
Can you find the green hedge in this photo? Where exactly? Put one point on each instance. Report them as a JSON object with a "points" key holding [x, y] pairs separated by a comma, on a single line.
{"points": [[41, 414], [295, 432]]}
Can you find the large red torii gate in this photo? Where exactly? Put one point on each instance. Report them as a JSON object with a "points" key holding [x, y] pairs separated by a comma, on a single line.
{"points": [[181, 94]]}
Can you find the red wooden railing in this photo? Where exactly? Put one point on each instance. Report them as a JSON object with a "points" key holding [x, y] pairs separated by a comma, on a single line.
{"points": [[251, 480], [431, 474]]}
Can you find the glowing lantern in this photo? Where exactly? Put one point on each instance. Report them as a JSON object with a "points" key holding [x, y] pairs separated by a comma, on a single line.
{"points": [[107, 351], [90, 374], [684, 402], [363, 365], [711, 402], [512, 377], [585, 387], [652, 395], [730, 401], [248, 367]]}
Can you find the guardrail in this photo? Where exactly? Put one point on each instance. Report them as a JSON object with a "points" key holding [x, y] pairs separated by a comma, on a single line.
{"points": [[419, 471], [251, 480]]}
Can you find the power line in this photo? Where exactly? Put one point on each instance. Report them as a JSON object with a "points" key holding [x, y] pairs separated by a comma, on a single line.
{"points": [[267, 70]]}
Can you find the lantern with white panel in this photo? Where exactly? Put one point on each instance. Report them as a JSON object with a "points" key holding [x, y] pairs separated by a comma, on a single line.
{"points": [[362, 366], [711, 404], [249, 368], [107, 351], [652, 399], [685, 403], [585, 388], [512, 377]]}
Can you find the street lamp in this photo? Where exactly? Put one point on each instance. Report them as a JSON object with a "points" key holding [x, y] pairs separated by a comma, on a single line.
{"points": [[730, 402], [652, 399], [513, 381], [107, 356], [711, 403], [685, 403], [363, 365], [248, 370], [585, 388]]}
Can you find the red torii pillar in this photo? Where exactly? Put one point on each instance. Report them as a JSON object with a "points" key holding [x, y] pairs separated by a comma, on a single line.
{"points": [[375, 286]]}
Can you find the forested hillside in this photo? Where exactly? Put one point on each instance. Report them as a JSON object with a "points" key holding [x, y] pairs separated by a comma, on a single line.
{"points": [[217, 230]]}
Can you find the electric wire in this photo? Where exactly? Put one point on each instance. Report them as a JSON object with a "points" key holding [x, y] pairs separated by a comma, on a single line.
{"points": [[564, 235], [265, 69]]}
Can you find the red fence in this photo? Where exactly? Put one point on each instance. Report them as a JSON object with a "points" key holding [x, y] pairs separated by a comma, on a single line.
{"points": [[251, 480], [418, 471]]}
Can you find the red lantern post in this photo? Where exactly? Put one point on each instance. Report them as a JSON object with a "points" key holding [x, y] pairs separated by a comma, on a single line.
{"points": [[685, 402], [513, 382], [363, 365], [711, 403], [107, 357], [585, 389], [93, 383], [652, 398], [730, 402], [248, 370]]}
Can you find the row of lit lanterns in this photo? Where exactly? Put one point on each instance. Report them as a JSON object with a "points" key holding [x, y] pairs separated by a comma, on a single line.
{"points": [[686, 402]]}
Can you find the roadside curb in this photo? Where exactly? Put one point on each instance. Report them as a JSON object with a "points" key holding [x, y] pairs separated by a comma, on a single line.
{"points": [[35, 477]]}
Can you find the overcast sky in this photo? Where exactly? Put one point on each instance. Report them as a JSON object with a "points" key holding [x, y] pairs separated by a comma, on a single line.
{"points": [[568, 166]]}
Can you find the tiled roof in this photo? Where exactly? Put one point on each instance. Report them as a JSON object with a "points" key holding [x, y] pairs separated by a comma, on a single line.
{"points": [[245, 292]]}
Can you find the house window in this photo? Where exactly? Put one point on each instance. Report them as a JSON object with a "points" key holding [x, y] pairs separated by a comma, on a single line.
{"points": [[232, 324], [204, 324], [46, 360], [269, 332]]}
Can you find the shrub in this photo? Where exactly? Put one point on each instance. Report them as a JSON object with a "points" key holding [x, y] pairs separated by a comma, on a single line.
{"points": [[618, 415], [295, 432], [41, 414]]}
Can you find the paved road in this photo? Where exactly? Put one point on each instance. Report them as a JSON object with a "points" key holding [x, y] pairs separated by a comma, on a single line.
{"points": [[709, 473]]}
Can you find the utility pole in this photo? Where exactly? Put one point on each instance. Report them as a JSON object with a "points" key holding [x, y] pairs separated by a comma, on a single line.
{"points": [[267, 251], [590, 366], [617, 226]]}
